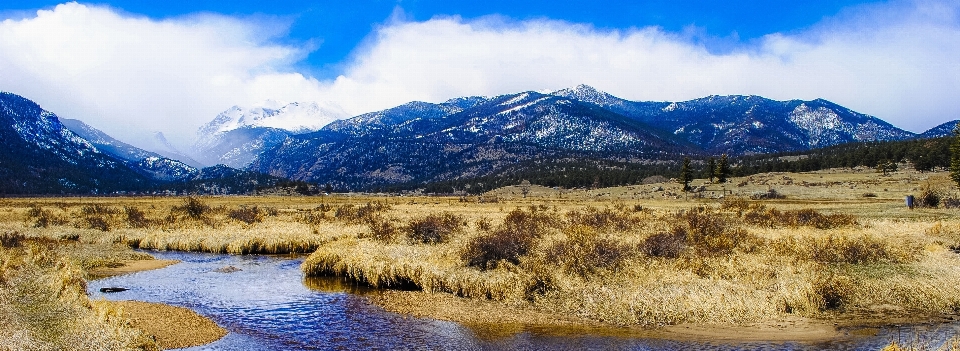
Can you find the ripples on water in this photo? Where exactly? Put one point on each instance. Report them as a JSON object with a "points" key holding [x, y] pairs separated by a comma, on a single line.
{"points": [[268, 305]]}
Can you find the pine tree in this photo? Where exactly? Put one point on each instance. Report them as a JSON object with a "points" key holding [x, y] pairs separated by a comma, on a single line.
{"points": [[723, 169], [955, 155], [686, 175], [712, 169]]}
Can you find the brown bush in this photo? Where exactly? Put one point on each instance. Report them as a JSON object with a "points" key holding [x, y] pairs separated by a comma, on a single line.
{"points": [[98, 209], [858, 250], [511, 240], [711, 232], [603, 219], [928, 198], [359, 214], [136, 218], [11, 239], [192, 207], [45, 218], [584, 251], [382, 229], [97, 222], [664, 244], [248, 215], [833, 292], [434, 228], [773, 218]]}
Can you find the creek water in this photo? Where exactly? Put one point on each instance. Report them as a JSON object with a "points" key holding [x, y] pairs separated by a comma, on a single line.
{"points": [[268, 305]]}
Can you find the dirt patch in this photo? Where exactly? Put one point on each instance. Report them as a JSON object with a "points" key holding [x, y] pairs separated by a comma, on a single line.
{"points": [[491, 319], [129, 267], [790, 328], [466, 311], [172, 327]]}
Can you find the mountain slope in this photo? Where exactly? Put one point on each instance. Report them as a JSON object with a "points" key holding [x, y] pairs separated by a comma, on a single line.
{"points": [[422, 142], [749, 124], [236, 136], [942, 130], [40, 156], [147, 163]]}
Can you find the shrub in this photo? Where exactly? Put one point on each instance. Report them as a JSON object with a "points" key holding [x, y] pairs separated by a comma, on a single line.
{"points": [[584, 251], [136, 218], [382, 229], [312, 217], [664, 244], [773, 218], [602, 219], [98, 210], [504, 244], [951, 202], [928, 198], [858, 250], [511, 240], [44, 218], [483, 224], [833, 291], [11, 239], [248, 215], [354, 214], [710, 232], [434, 228], [192, 207], [812, 218], [98, 222]]}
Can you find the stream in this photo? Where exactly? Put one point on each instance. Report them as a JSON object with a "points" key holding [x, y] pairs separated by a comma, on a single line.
{"points": [[269, 305]]}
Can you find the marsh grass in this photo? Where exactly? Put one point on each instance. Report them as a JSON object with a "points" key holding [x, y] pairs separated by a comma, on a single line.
{"points": [[44, 306], [735, 261]]}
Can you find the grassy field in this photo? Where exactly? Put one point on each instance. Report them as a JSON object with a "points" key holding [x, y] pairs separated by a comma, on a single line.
{"points": [[826, 245]]}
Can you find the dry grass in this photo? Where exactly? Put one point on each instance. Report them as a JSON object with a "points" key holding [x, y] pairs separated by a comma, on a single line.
{"points": [[44, 306], [622, 261]]}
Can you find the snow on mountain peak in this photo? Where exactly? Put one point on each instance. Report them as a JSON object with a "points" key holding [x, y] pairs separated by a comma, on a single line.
{"points": [[296, 117]]}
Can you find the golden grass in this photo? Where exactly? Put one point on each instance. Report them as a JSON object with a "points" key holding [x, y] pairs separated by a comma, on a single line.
{"points": [[44, 306], [626, 256]]}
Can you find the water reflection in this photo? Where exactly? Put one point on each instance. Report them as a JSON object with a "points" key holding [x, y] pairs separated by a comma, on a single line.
{"points": [[265, 303]]}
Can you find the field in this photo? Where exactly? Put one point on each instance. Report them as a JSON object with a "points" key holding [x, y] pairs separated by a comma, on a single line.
{"points": [[836, 245]]}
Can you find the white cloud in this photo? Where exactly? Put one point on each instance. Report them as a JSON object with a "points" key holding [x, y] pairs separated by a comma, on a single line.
{"points": [[131, 76], [124, 73], [897, 61]]}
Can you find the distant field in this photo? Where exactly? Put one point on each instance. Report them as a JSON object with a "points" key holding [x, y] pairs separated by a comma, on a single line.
{"points": [[839, 244]]}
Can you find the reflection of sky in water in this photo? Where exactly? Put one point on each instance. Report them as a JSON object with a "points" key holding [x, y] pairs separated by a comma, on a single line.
{"points": [[268, 306]]}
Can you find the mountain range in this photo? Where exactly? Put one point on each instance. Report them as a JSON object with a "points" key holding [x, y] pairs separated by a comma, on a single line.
{"points": [[471, 137], [579, 129]]}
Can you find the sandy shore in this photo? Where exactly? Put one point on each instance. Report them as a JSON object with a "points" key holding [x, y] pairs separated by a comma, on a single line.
{"points": [[172, 327], [130, 267], [493, 319]]}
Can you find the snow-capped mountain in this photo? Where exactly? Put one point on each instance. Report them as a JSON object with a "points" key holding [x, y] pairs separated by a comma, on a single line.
{"points": [[479, 136], [40, 155], [465, 137], [749, 124], [148, 163], [942, 130], [237, 135]]}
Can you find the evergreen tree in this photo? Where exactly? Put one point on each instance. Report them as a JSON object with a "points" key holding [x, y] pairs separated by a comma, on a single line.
{"points": [[955, 156], [712, 169], [723, 169], [686, 175]]}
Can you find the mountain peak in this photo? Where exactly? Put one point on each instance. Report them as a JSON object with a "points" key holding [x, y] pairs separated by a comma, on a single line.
{"points": [[295, 117]]}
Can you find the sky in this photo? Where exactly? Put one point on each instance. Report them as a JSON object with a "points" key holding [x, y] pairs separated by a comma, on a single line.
{"points": [[132, 68]]}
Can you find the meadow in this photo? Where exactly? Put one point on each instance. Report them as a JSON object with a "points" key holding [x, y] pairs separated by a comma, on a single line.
{"points": [[836, 245]]}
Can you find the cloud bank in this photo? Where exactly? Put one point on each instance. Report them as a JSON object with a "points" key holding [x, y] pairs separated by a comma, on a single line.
{"points": [[123, 73]]}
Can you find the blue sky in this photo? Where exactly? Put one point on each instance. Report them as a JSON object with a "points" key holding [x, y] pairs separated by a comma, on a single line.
{"points": [[132, 68], [339, 26]]}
